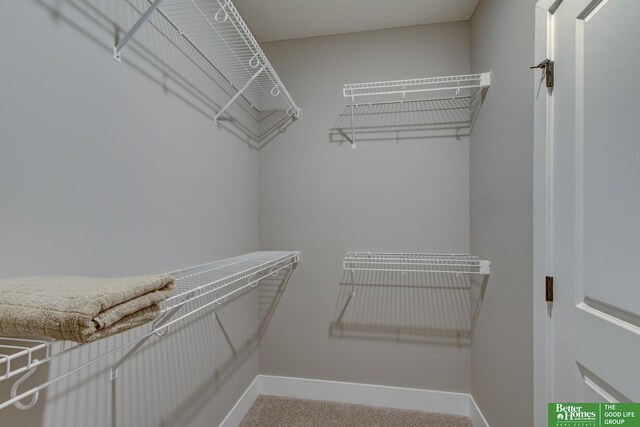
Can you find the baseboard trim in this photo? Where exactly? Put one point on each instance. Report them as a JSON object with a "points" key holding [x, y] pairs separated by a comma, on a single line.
{"points": [[242, 406], [477, 418], [364, 394], [367, 394]]}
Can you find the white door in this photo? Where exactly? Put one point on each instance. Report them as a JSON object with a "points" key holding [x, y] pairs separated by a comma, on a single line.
{"points": [[595, 345]]}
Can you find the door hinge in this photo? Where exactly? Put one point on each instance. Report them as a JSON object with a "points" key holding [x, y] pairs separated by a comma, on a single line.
{"points": [[548, 67], [548, 289]]}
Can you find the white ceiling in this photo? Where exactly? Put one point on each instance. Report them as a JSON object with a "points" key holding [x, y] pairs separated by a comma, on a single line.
{"points": [[291, 19]]}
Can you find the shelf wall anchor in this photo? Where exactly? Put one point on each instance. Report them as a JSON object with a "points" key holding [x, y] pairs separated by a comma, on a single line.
{"points": [[113, 374]]}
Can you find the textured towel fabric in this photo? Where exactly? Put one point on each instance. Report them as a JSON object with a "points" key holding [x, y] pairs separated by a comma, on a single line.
{"points": [[269, 411], [80, 309]]}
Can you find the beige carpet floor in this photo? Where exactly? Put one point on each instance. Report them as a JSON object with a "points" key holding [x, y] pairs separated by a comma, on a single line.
{"points": [[273, 411]]}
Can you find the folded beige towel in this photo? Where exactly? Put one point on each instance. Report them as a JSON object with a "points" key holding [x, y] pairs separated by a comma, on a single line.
{"points": [[80, 309]]}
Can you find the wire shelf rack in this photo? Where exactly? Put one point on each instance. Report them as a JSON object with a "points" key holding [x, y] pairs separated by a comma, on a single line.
{"points": [[469, 89], [416, 263], [206, 286], [435, 274], [216, 30]]}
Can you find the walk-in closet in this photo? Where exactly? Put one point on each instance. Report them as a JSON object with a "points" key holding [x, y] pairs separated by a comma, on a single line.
{"points": [[290, 213]]}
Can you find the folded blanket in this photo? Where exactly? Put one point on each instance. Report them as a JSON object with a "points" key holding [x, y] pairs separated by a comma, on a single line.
{"points": [[80, 309]]}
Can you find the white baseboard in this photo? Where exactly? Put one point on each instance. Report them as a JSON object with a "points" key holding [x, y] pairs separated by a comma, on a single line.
{"points": [[364, 394], [475, 414], [242, 406]]}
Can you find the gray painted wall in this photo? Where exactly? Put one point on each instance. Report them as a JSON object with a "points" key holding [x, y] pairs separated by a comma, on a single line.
{"points": [[400, 190], [118, 169], [501, 163]]}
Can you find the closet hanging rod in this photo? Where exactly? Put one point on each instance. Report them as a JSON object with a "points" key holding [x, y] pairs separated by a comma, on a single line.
{"points": [[207, 286]]}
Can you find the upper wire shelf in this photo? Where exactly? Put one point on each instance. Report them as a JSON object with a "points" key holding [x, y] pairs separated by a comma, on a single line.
{"points": [[216, 29], [207, 286], [413, 89], [467, 90], [416, 263]]}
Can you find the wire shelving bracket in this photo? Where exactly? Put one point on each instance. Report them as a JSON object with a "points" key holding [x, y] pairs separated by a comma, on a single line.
{"points": [[207, 286], [216, 29], [419, 263], [469, 87]]}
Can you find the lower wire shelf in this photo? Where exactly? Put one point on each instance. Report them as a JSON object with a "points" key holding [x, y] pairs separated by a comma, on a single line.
{"points": [[198, 288], [419, 286]]}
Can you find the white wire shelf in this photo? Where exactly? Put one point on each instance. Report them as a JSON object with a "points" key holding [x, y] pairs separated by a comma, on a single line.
{"points": [[416, 263], [207, 286], [436, 274], [467, 89], [416, 89], [216, 29]]}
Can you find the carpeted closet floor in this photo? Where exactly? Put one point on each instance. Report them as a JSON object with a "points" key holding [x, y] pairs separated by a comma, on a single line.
{"points": [[272, 411]]}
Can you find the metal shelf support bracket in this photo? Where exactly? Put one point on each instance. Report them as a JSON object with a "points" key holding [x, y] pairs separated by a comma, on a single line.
{"points": [[157, 326], [124, 40], [353, 129], [233, 99]]}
